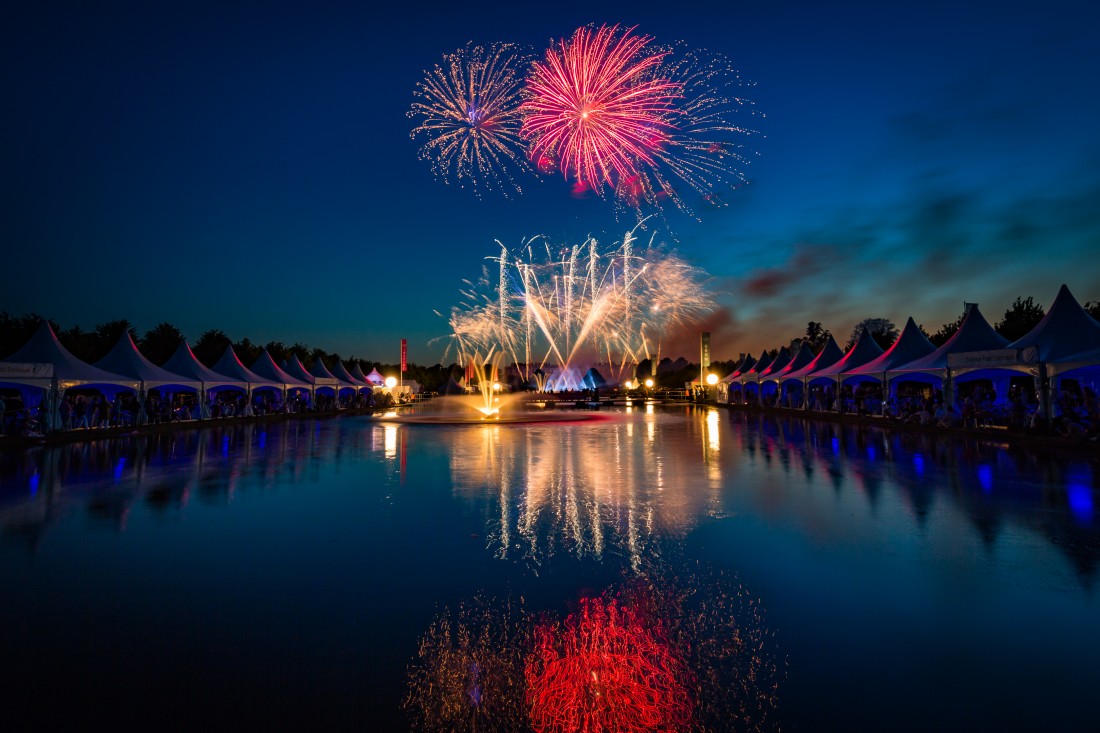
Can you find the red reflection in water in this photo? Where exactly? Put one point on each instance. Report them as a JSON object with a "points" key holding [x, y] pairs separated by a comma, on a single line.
{"points": [[605, 669]]}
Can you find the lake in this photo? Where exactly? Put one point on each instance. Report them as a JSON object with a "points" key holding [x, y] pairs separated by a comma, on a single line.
{"points": [[811, 575]]}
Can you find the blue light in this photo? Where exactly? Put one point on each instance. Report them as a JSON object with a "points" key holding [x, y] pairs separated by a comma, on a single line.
{"points": [[918, 464], [871, 452], [118, 468], [836, 446], [34, 483], [1080, 502], [225, 446], [263, 439], [985, 478]]}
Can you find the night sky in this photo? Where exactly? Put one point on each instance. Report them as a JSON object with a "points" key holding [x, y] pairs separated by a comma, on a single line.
{"points": [[249, 167]]}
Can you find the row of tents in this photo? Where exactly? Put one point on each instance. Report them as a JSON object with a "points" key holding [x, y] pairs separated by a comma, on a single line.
{"points": [[44, 369], [1064, 344]]}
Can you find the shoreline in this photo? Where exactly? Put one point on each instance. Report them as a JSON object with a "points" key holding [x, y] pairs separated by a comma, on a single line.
{"points": [[1047, 443], [1051, 443], [61, 437]]}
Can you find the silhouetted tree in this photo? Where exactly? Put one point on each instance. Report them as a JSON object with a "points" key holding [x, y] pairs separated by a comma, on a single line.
{"points": [[883, 331], [1093, 307], [947, 330], [210, 346], [160, 342], [1020, 318], [16, 331], [79, 343], [816, 336], [247, 351], [278, 350], [100, 341], [301, 351]]}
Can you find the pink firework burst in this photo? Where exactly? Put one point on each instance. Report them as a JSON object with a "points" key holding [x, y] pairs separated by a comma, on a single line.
{"points": [[599, 108]]}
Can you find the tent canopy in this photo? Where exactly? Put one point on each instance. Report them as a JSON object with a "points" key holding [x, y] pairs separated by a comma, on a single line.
{"points": [[229, 365], [863, 350], [830, 354], [911, 345], [184, 363], [124, 358], [974, 334], [1066, 331], [68, 371]]}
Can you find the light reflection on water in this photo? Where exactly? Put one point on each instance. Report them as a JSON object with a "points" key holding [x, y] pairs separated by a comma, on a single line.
{"points": [[895, 568]]}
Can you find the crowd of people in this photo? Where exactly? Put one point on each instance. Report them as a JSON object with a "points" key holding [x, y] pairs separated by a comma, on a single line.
{"points": [[92, 410], [1075, 410]]}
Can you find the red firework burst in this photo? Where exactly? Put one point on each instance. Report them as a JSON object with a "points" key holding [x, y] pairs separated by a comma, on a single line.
{"points": [[598, 106], [604, 670]]}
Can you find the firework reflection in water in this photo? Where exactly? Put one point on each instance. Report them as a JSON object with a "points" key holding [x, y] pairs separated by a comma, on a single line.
{"points": [[561, 309], [468, 675], [650, 653]]}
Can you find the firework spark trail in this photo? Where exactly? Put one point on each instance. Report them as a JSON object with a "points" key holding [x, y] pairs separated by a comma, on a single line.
{"points": [[468, 109], [571, 311], [595, 108]]}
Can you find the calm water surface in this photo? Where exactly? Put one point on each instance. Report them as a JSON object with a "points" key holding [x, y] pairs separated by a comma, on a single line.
{"points": [[283, 574]]}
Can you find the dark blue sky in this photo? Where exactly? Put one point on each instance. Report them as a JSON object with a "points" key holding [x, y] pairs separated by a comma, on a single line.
{"points": [[249, 167]]}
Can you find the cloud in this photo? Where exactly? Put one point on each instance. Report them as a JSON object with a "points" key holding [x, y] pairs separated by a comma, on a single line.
{"points": [[807, 260]]}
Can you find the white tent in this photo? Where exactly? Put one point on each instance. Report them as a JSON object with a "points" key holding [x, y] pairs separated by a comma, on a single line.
{"points": [[184, 363], [266, 367], [1066, 333], [294, 367], [863, 350], [340, 372], [229, 365], [124, 358], [375, 378], [68, 372], [910, 345], [830, 354], [323, 375]]}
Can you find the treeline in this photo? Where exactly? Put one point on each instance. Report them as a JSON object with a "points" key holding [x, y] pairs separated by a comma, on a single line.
{"points": [[1018, 320], [160, 342]]}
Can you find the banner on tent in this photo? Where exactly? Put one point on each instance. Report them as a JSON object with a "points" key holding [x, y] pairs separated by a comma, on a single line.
{"points": [[19, 370], [993, 358]]}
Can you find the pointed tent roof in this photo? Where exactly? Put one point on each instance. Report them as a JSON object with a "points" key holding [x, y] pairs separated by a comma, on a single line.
{"points": [[231, 366], [974, 334], [761, 364], [830, 354], [1065, 331], [184, 363], [44, 348], [804, 356], [593, 379], [323, 376], [357, 372], [340, 372], [863, 350], [124, 358], [782, 359], [266, 367], [374, 378], [911, 345], [293, 366], [746, 364]]}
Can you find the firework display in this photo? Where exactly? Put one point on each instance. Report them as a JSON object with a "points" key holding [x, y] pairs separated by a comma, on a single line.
{"points": [[597, 108], [611, 110], [468, 109], [556, 310]]}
